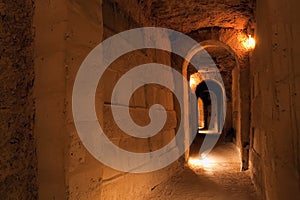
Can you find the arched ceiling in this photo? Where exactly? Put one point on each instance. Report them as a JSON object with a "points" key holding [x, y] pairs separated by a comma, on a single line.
{"points": [[190, 15], [225, 62], [201, 19]]}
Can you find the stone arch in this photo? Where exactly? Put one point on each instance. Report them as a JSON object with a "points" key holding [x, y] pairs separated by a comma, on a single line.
{"points": [[231, 46], [204, 45], [216, 89]]}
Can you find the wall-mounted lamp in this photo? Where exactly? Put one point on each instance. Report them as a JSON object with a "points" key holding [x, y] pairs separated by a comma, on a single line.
{"points": [[249, 43], [193, 82]]}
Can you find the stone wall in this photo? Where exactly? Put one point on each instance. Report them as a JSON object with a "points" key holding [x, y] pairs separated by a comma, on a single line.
{"points": [[66, 168], [18, 170], [50, 22], [117, 185], [275, 100]]}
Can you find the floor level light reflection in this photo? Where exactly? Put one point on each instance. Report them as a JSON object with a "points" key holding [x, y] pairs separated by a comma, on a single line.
{"points": [[204, 162]]}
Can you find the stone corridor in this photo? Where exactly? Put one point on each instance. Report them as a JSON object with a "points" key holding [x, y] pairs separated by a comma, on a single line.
{"points": [[228, 68]]}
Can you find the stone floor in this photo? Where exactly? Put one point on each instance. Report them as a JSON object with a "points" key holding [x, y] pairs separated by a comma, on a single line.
{"points": [[216, 177]]}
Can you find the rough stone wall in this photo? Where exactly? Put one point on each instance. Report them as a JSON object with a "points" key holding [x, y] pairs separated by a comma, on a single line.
{"points": [[18, 169], [87, 178], [66, 31], [275, 100], [117, 185], [84, 174], [50, 23]]}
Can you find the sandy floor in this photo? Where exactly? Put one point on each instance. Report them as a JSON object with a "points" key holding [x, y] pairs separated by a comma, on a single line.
{"points": [[216, 177]]}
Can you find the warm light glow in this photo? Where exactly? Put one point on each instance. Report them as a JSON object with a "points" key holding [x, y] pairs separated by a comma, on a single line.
{"points": [[193, 81], [200, 114], [249, 43], [200, 162]]}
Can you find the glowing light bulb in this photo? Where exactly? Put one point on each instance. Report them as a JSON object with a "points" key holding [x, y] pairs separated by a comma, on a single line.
{"points": [[192, 82], [249, 43]]}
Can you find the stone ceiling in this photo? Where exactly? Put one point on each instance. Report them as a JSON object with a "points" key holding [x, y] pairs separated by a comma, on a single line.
{"points": [[190, 15]]}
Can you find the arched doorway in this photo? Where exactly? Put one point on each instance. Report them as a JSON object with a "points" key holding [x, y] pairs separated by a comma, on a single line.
{"points": [[206, 112], [220, 52]]}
